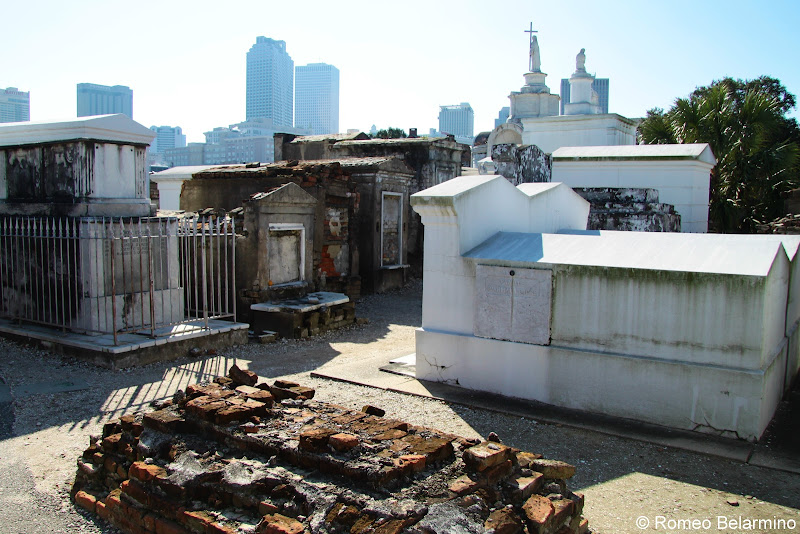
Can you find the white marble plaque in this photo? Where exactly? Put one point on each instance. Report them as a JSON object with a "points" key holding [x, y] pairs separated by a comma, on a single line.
{"points": [[513, 304]]}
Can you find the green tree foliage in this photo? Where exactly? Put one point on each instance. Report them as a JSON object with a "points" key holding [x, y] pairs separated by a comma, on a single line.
{"points": [[390, 133], [756, 145]]}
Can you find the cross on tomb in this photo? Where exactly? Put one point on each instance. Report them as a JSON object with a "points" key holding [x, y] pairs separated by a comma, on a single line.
{"points": [[535, 60], [531, 32]]}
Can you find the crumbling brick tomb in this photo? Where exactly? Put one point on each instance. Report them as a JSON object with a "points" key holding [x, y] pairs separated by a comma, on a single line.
{"points": [[236, 455]]}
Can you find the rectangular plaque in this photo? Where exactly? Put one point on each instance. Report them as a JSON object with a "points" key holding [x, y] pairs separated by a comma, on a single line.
{"points": [[513, 304]]}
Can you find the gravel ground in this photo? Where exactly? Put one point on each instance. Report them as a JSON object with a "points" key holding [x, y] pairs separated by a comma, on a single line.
{"points": [[42, 432]]}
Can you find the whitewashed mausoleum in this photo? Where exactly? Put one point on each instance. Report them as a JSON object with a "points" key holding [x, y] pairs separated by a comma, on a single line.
{"points": [[691, 331]]}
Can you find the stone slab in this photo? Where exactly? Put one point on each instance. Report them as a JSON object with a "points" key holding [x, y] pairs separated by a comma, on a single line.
{"points": [[513, 304], [306, 304]]}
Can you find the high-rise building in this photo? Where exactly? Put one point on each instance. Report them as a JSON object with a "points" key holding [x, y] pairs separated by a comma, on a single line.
{"points": [[15, 105], [316, 98], [167, 137], [599, 85], [270, 82], [94, 99], [502, 116], [457, 120]]}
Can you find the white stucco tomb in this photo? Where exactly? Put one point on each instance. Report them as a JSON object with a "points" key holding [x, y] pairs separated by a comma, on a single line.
{"points": [[692, 331], [680, 173]]}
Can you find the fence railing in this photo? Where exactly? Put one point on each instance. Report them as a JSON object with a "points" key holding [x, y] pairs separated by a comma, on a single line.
{"points": [[117, 275]]}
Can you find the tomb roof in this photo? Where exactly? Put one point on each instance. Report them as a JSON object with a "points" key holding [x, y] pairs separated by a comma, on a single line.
{"points": [[328, 137], [696, 151], [184, 172], [117, 128], [745, 255]]}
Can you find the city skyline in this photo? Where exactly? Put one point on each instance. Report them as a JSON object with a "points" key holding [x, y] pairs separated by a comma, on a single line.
{"points": [[400, 75], [316, 102]]}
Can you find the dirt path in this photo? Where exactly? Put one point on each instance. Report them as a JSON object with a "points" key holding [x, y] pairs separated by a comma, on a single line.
{"points": [[55, 404]]}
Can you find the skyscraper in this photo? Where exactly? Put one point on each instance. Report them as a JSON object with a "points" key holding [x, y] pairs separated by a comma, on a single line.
{"points": [[167, 137], [270, 82], [600, 86], [15, 105], [94, 99], [457, 120], [317, 98]]}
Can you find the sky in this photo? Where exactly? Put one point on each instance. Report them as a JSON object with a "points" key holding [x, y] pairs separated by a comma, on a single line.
{"points": [[398, 61]]}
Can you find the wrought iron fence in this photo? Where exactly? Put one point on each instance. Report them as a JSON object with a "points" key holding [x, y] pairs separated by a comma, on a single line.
{"points": [[117, 275]]}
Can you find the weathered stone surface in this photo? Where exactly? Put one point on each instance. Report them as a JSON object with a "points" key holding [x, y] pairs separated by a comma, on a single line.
{"points": [[524, 487], [146, 472]]}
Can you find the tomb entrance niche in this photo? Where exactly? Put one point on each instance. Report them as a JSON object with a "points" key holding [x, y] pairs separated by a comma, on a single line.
{"points": [[391, 229], [285, 250]]}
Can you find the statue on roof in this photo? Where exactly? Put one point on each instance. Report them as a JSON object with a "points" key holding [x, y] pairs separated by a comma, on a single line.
{"points": [[536, 58], [580, 61]]}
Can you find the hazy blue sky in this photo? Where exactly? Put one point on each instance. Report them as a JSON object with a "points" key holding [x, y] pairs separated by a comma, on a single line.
{"points": [[399, 60]]}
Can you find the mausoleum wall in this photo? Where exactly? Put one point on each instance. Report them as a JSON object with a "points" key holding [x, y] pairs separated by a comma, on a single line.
{"points": [[682, 183]]}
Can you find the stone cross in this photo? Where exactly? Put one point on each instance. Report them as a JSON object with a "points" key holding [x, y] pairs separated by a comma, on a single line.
{"points": [[535, 58]]}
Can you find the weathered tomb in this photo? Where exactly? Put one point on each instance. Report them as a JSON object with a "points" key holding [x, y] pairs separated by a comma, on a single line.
{"points": [[680, 173], [629, 209], [692, 331], [362, 218], [75, 213], [236, 455]]}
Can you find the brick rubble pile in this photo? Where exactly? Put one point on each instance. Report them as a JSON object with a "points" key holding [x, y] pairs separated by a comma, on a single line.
{"points": [[236, 455]]}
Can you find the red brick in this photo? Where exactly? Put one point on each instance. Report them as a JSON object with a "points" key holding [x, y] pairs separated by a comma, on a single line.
{"points": [[197, 521], [286, 384], [205, 407], [85, 500], [463, 485], [111, 443], [553, 468], [242, 376], [101, 510], [538, 512], [373, 410], [219, 528], [279, 524], [411, 463], [498, 472], [316, 440], [343, 442], [435, 449], [562, 509], [266, 507], [165, 526], [393, 526], [524, 487], [165, 421], [504, 521], [525, 459], [146, 472], [135, 491], [149, 522], [485, 455], [233, 413]]}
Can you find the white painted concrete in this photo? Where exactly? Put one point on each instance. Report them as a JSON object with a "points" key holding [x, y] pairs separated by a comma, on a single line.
{"points": [[694, 331], [113, 128], [680, 173], [170, 183], [552, 133]]}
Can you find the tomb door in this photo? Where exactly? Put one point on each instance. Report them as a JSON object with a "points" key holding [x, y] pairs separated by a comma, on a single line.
{"points": [[285, 253], [391, 229]]}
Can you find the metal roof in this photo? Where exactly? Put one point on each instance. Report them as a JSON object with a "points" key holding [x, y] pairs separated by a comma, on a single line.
{"points": [[698, 151], [745, 255]]}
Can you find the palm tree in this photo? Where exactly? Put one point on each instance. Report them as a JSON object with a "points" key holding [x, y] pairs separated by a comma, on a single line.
{"points": [[757, 147]]}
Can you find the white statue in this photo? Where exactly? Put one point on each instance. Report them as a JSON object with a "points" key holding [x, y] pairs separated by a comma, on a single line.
{"points": [[580, 61], [536, 58]]}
